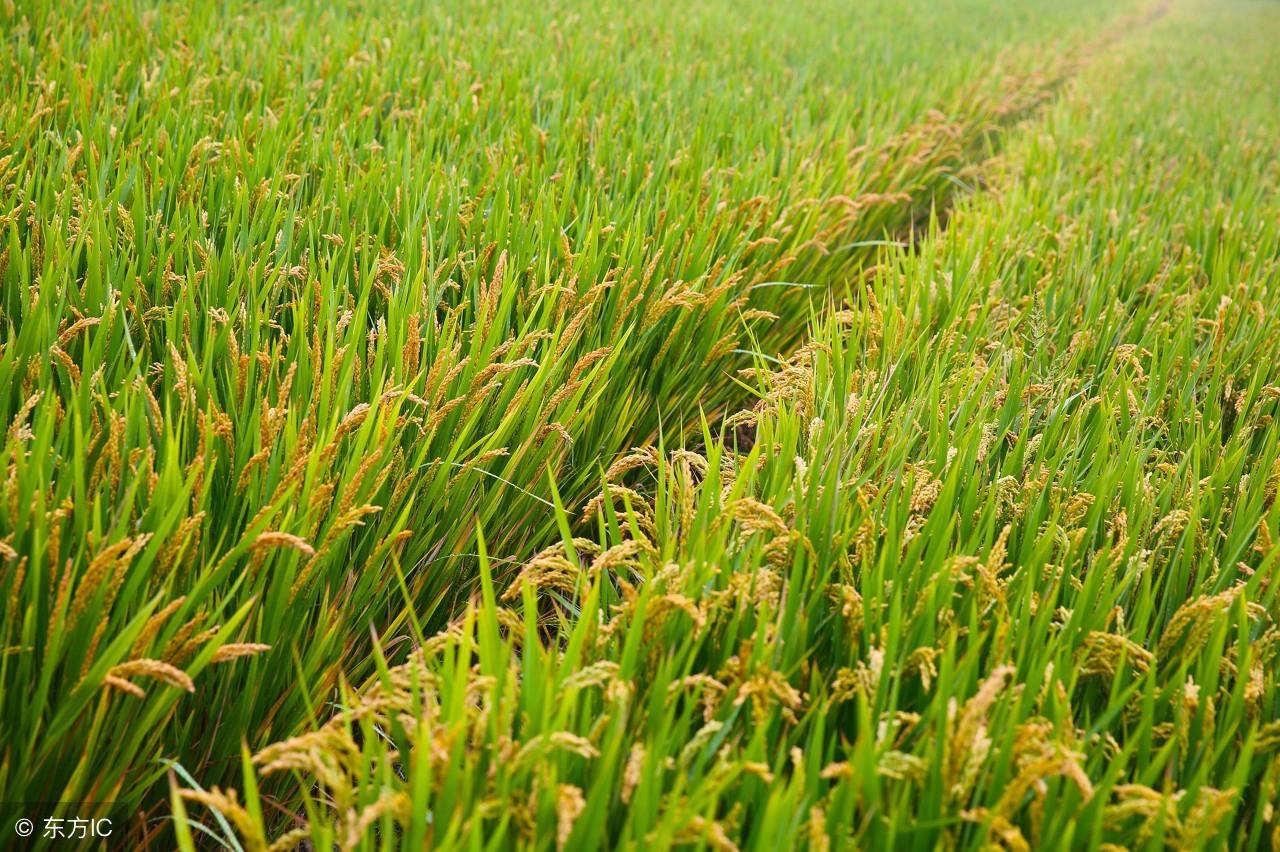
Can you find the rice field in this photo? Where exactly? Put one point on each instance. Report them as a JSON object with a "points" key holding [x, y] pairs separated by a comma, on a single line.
{"points": [[721, 425]]}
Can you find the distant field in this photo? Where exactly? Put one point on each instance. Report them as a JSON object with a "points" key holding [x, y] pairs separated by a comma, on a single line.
{"points": [[711, 425]]}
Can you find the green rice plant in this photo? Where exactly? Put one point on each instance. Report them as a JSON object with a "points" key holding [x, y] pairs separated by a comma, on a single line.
{"points": [[997, 569], [460, 424], [297, 298]]}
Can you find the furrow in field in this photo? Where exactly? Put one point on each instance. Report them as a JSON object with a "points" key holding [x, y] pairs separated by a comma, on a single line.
{"points": [[979, 137]]}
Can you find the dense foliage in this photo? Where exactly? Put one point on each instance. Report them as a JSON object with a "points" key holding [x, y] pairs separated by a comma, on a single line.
{"points": [[592, 425]]}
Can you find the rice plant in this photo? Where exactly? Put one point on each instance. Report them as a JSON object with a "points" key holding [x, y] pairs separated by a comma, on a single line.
{"points": [[437, 425]]}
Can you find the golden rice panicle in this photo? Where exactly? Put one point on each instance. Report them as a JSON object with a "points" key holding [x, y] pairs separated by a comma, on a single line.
{"points": [[156, 670], [631, 775], [155, 623], [570, 803], [267, 540], [227, 804], [969, 742], [396, 805], [236, 650], [124, 685], [291, 840]]}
